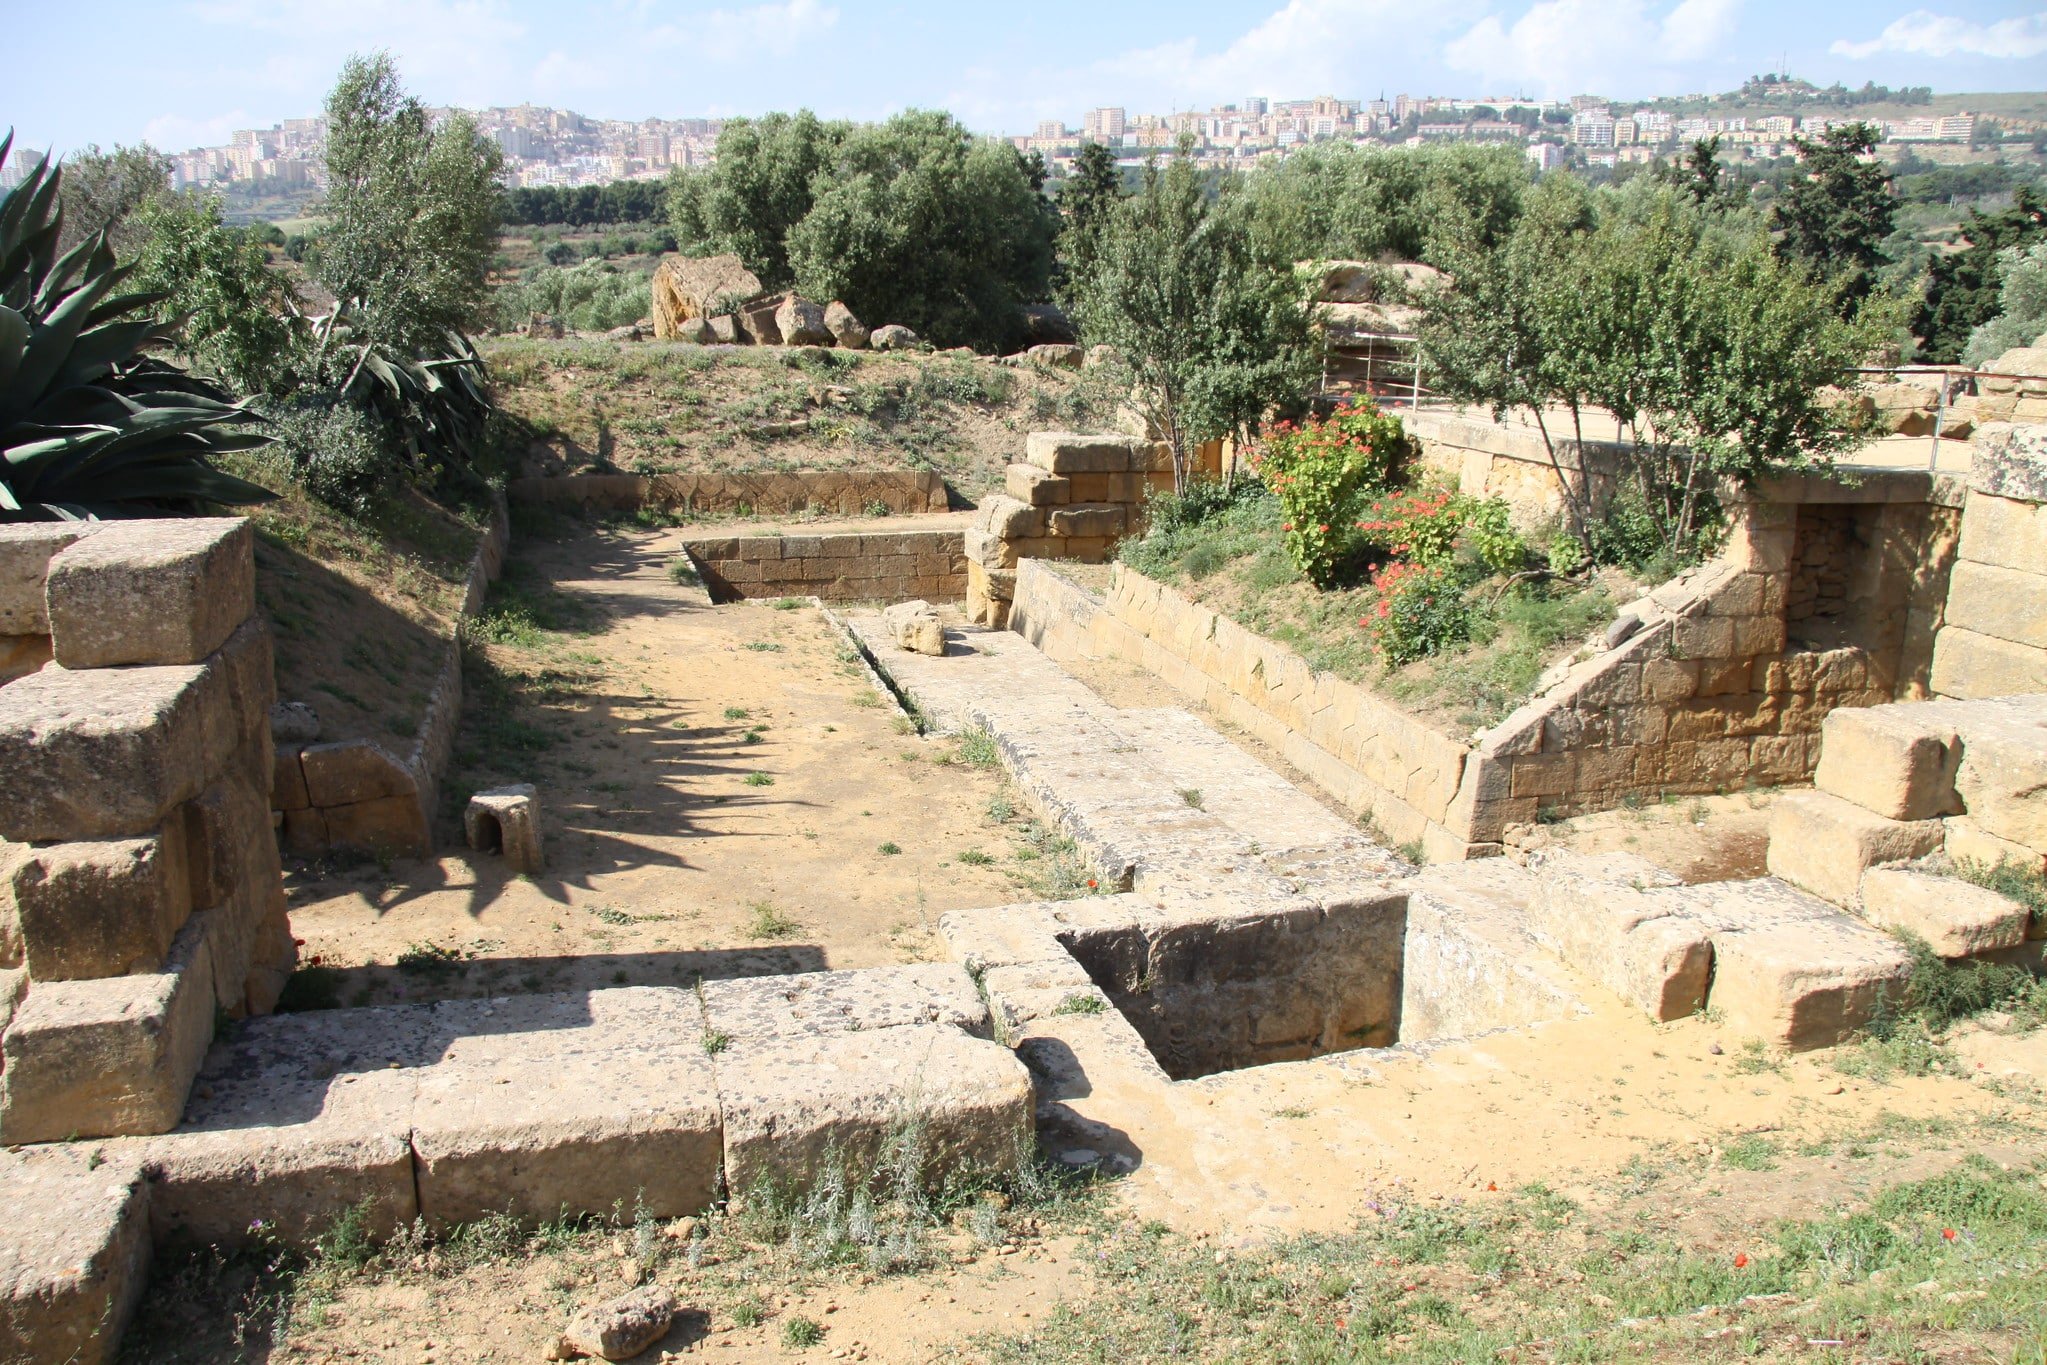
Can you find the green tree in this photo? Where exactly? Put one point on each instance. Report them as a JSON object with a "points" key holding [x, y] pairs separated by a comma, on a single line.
{"points": [[1216, 333], [1836, 217], [104, 190], [757, 190], [411, 213], [1339, 201], [2022, 315], [1700, 174], [235, 309], [1963, 288], [1087, 198], [920, 222]]}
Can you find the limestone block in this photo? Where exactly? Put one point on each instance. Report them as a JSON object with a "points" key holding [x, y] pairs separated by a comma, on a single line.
{"points": [[294, 1120], [1963, 840], [1066, 452], [2006, 604], [1790, 969], [1038, 487], [790, 1100], [288, 780], [1954, 917], [1824, 844], [988, 550], [915, 626], [1108, 488], [1098, 520], [392, 826], [1009, 518], [538, 1133], [223, 824], [106, 752], [2002, 777], [1898, 761], [276, 957], [349, 771], [807, 1003], [2005, 532], [21, 655], [100, 908], [303, 833], [507, 820], [116, 1056], [151, 591], [26, 549], [2010, 462], [1592, 912], [75, 1258]]}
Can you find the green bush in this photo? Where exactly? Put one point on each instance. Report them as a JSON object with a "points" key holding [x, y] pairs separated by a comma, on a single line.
{"points": [[1422, 610], [337, 454], [1430, 529], [1323, 471], [591, 297]]}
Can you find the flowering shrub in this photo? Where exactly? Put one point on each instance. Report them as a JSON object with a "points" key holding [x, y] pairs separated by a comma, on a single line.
{"points": [[1427, 528], [1422, 610], [1321, 471]]}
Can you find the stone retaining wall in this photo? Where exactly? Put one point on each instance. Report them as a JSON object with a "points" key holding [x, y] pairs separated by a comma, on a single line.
{"points": [[849, 493], [355, 793], [1700, 690], [140, 893], [1993, 640], [879, 566]]}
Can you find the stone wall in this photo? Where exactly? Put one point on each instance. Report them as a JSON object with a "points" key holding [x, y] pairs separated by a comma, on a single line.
{"points": [[140, 893], [881, 566], [849, 493], [1697, 688], [1489, 459], [1993, 640], [357, 794], [1073, 497]]}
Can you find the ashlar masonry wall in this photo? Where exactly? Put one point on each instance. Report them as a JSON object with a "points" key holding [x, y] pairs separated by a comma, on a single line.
{"points": [[1993, 640], [886, 566], [140, 892]]}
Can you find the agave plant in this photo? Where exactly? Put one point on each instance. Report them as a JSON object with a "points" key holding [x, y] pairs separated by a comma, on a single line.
{"points": [[437, 406], [91, 425]]}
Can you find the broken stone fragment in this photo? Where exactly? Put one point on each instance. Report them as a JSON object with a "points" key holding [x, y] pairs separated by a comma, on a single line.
{"points": [[507, 819], [621, 1329], [915, 626]]}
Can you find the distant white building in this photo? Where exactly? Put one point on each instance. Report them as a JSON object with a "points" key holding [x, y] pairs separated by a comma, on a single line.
{"points": [[1592, 128], [1103, 125], [1546, 156]]}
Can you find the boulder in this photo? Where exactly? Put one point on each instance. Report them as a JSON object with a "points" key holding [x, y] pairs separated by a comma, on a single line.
{"points": [[1056, 357], [893, 337], [757, 321], [915, 627], [696, 331], [1101, 354], [687, 287], [724, 329], [621, 1329], [802, 323], [848, 331], [1047, 324], [629, 332]]}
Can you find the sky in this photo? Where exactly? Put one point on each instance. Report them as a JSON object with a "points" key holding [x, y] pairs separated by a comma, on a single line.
{"points": [[184, 73]]}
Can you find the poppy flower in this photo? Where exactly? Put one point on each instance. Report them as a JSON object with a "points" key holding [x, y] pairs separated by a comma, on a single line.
{"points": [[1947, 1234], [1740, 1260]]}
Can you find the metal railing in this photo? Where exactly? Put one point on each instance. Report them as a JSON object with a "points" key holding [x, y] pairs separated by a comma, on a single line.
{"points": [[1950, 383], [1392, 366]]}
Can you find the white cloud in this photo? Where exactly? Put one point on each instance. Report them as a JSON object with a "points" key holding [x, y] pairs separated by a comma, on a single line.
{"points": [[729, 35], [453, 50], [1560, 47], [177, 133], [1923, 33]]}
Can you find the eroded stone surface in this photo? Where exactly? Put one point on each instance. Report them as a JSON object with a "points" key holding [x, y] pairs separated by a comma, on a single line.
{"points": [[75, 1255], [1898, 761], [507, 820], [1954, 917], [1823, 844], [160, 591], [844, 1002], [101, 907]]}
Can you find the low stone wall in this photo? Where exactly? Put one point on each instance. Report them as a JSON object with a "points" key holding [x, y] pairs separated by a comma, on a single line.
{"points": [[1698, 687], [879, 566], [355, 793], [1993, 639], [140, 893], [849, 493], [1490, 459]]}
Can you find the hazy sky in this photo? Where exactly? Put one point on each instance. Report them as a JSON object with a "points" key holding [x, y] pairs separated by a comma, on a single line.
{"points": [[184, 72]]}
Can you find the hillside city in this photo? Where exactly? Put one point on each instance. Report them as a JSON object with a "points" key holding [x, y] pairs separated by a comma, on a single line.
{"points": [[559, 147]]}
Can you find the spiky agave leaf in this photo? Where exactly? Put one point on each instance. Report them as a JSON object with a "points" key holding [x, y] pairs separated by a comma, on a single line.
{"points": [[90, 424]]}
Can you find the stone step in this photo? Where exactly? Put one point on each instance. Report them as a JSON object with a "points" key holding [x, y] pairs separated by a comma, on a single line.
{"points": [[75, 1254], [578, 1102]]}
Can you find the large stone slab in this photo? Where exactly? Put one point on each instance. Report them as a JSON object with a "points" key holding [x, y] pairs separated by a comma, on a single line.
{"points": [[105, 753], [790, 1102], [1066, 452], [26, 549], [101, 907], [1898, 760], [1594, 912], [763, 1007], [294, 1120], [1954, 917], [2002, 778], [1823, 844], [75, 1254], [117, 1056], [153, 591]]}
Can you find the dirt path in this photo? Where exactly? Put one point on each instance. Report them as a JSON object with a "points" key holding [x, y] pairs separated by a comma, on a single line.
{"points": [[724, 794]]}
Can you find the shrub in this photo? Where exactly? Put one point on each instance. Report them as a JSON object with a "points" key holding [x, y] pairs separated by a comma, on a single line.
{"points": [[1322, 471], [1428, 528], [1422, 610], [338, 455], [593, 297]]}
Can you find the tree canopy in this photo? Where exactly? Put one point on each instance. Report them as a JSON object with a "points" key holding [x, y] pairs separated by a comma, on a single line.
{"points": [[1838, 214], [1339, 201]]}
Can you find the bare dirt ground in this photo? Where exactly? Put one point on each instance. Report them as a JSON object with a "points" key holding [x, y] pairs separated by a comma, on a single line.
{"points": [[724, 794]]}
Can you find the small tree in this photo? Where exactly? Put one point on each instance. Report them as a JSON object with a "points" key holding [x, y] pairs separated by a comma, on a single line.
{"points": [[1091, 191], [1962, 291], [1216, 333], [103, 192], [759, 188], [1836, 218], [411, 212], [217, 279], [2022, 319]]}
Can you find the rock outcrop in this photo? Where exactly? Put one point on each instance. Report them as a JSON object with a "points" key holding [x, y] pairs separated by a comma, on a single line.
{"points": [[893, 337], [847, 330], [802, 323], [688, 287]]}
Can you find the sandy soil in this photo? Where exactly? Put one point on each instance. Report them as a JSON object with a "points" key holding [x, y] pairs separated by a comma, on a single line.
{"points": [[667, 856]]}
